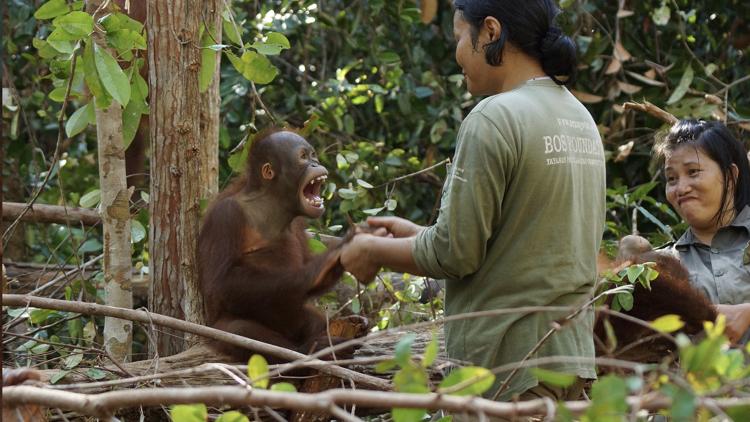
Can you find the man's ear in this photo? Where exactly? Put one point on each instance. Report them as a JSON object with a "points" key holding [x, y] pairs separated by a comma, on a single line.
{"points": [[493, 28], [266, 171]]}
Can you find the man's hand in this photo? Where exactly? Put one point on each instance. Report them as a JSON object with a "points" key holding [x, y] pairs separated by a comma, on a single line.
{"points": [[397, 226], [738, 320], [356, 258]]}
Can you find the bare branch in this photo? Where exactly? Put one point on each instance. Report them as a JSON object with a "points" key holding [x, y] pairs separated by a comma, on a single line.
{"points": [[188, 327], [105, 404]]}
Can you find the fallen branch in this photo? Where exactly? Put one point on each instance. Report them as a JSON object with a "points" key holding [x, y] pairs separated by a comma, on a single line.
{"points": [[104, 405], [40, 213], [188, 327], [653, 110]]}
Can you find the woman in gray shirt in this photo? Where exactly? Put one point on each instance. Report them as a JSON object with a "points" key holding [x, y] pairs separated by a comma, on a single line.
{"points": [[708, 184]]}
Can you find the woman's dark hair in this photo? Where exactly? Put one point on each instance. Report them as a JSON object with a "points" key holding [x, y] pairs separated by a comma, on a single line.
{"points": [[530, 26], [716, 141]]}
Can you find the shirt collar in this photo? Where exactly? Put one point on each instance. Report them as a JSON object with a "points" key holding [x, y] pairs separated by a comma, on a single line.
{"points": [[741, 220]]}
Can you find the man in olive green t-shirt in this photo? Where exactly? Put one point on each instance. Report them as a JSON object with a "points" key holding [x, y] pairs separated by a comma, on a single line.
{"points": [[520, 224]]}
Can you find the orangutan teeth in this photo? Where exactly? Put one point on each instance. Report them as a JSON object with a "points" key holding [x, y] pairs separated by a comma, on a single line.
{"points": [[315, 202], [319, 179]]}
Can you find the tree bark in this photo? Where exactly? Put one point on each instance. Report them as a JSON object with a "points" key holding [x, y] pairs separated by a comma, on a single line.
{"points": [[174, 58], [115, 215], [210, 106]]}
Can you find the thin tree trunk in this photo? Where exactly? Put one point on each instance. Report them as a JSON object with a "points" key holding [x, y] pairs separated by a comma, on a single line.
{"points": [[210, 105], [115, 214], [174, 58]]}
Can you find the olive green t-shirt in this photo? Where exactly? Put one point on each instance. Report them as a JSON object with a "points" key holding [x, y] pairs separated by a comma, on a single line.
{"points": [[521, 220]]}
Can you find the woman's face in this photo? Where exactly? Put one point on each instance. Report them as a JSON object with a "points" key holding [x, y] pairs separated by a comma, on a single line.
{"points": [[471, 59], [694, 188]]}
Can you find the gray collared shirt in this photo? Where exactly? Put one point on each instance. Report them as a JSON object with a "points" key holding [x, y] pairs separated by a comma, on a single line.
{"points": [[722, 270]]}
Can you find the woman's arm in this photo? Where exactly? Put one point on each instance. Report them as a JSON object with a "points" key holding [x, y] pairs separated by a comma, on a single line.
{"points": [[738, 319]]}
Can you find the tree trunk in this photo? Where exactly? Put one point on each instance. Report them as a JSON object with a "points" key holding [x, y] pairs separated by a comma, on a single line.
{"points": [[115, 214], [210, 105], [177, 153]]}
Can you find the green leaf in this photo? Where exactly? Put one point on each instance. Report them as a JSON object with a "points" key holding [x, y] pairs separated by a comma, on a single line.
{"points": [[230, 31], [385, 366], [58, 94], [667, 323], [346, 193], [232, 416], [96, 373], [208, 60], [391, 204], [364, 184], [316, 246], [274, 43], [388, 57], [278, 38], [634, 271], [43, 48], [61, 42], [557, 379], [608, 400], [660, 15], [408, 415], [38, 316], [682, 88], [373, 211], [91, 76], [480, 379], [58, 376], [403, 350], [91, 245], [284, 387], [76, 24], [430, 352], [626, 300], [258, 68], [111, 75], [72, 360], [51, 9], [188, 413], [91, 199], [137, 231], [79, 120], [257, 368]]}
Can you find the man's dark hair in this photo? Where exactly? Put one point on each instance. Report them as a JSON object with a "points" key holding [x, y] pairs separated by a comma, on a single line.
{"points": [[530, 26]]}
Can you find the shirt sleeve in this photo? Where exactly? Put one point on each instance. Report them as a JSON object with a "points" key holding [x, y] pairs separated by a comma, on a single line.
{"points": [[456, 245]]}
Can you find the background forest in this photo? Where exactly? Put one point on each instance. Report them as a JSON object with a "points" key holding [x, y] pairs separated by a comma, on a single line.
{"points": [[376, 88]]}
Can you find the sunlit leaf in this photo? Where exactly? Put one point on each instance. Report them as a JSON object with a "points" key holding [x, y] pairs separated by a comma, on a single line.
{"points": [[257, 368], [667, 323], [58, 376], [76, 24], [682, 88], [403, 349], [558, 379], [232, 416], [284, 387], [52, 9], [430, 352], [188, 413], [316, 246], [477, 380]]}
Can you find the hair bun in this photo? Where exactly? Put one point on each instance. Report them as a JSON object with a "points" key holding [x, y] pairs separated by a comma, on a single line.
{"points": [[558, 56], [548, 42]]}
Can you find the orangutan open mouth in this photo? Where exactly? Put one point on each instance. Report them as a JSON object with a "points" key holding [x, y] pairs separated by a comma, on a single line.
{"points": [[311, 191]]}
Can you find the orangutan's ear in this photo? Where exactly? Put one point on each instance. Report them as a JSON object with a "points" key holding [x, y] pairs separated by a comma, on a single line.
{"points": [[266, 171]]}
